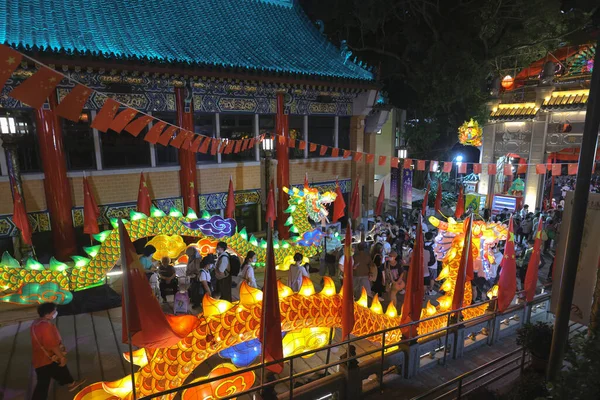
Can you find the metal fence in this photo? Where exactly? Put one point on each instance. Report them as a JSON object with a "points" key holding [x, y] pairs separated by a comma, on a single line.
{"points": [[293, 377]]}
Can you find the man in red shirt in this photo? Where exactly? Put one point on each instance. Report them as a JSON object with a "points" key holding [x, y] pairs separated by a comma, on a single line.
{"points": [[49, 354]]}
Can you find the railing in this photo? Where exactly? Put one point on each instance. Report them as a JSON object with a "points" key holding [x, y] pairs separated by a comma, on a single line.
{"points": [[460, 383], [257, 369]]}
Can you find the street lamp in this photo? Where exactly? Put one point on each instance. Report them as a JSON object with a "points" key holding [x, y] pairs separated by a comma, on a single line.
{"points": [[11, 132], [402, 154], [267, 145], [458, 159]]}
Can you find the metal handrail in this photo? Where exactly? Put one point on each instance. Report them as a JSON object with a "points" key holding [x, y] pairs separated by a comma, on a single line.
{"points": [[294, 376]]}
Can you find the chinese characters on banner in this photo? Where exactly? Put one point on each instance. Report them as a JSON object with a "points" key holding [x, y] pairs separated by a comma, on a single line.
{"points": [[407, 177]]}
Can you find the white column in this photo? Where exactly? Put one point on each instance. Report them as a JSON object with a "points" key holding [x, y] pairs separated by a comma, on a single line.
{"points": [[305, 134], [256, 133], [336, 131], [487, 155], [3, 165], [218, 134], [537, 152], [97, 144]]}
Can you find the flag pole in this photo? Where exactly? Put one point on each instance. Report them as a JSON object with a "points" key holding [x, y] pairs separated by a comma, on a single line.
{"points": [[264, 309], [125, 274]]}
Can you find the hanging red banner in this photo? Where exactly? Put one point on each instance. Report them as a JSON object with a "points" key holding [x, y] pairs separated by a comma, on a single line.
{"points": [[357, 155], [302, 145], [204, 146], [335, 152], [291, 143], [370, 158], [507, 170], [214, 146], [394, 162], [323, 150], [238, 146], [462, 168], [195, 146], [540, 169], [312, 147], [447, 168], [167, 135], [556, 169], [522, 168], [154, 132], [72, 105], [420, 165], [347, 153], [122, 120], [106, 115], [180, 139], [135, 127], [35, 90], [407, 163], [382, 160], [572, 169], [228, 148], [11, 59], [491, 169], [476, 168]]}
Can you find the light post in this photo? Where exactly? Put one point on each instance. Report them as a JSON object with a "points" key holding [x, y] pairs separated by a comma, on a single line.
{"points": [[402, 153], [458, 159], [267, 147], [11, 132]]}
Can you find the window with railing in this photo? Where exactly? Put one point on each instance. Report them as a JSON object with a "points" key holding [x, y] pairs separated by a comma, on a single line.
{"points": [[78, 140], [236, 127], [121, 150]]}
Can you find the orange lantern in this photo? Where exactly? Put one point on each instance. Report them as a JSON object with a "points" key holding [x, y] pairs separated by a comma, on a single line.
{"points": [[508, 82]]}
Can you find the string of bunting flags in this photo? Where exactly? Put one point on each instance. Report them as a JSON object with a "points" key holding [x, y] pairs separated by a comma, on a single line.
{"points": [[118, 117]]}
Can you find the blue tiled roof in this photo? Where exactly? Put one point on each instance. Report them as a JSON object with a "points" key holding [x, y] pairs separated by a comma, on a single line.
{"points": [[262, 35]]}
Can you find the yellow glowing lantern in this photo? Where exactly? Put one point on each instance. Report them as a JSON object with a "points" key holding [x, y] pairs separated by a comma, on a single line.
{"points": [[249, 295], [508, 82], [328, 286], [493, 292], [431, 310], [284, 291], [470, 133], [214, 307], [391, 311], [376, 305], [303, 340], [167, 246], [307, 288], [363, 301], [139, 357], [445, 302]]}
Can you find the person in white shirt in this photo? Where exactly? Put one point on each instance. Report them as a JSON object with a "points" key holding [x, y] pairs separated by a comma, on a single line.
{"points": [[204, 276], [296, 272], [222, 272], [247, 270], [493, 271]]}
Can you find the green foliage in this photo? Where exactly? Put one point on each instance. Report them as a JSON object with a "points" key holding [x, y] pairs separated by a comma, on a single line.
{"points": [[536, 338]]}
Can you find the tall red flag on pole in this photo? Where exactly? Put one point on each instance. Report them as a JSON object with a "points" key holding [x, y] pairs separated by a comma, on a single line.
{"points": [[425, 201], [270, 324], [438, 197], [507, 283], [465, 268], [347, 291], [91, 212], [355, 200], [20, 216], [339, 205], [143, 200], [531, 277], [460, 203], [306, 186], [230, 207], [413, 298], [380, 199]]}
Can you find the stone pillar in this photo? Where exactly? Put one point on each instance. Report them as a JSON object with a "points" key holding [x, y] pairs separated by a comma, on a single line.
{"points": [[487, 156], [56, 184], [357, 169], [537, 154], [187, 159]]}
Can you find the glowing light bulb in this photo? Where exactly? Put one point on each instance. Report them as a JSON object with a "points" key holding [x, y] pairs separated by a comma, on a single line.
{"points": [[307, 288], [328, 286], [376, 305], [391, 311]]}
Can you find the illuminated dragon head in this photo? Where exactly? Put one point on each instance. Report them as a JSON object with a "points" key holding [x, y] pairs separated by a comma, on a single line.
{"points": [[315, 202]]}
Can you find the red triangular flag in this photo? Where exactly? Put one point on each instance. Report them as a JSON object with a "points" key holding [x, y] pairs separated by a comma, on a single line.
{"points": [[522, 168], [91, 212], [491, 169], [394, 162], [438, 198], [556, 169], [415, 291], [9, 62], [270, 215], [476, 168], [407, 163], [357, 156], [447, 168], [135, 127], [228, 148], [433, 166], [464, 275], [291, 143], [380, 199], [35, 90], [106, 115], [540, 169], [154, 133], [143, 200], [20, 216], [269, 333], [507, 283], [420, 165], [302, 145], [347, 290], [204, 146], [230, 205], [370, 158], [149, 326], [335, 152], [347, 154], [462, 168], [71, 106], [237, 147], [306, 185], [531, 276], [167, 135], [382, 160], [214, 147], [121, 120], [312, 147], [339, 205], [572, 169], [178, 140], [460, 204], [355, 201], [195, 145]]}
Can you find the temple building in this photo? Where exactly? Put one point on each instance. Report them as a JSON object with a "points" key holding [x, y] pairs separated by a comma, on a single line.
{"points": [[537, 117], [214, 67]]}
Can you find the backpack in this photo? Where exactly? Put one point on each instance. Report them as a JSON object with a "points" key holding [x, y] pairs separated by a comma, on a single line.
{"points": [[222, 275], [234, 265], [432, 260]]}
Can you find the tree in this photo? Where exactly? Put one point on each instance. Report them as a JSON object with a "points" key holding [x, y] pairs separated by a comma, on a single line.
{"points": [[437, 58]]}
